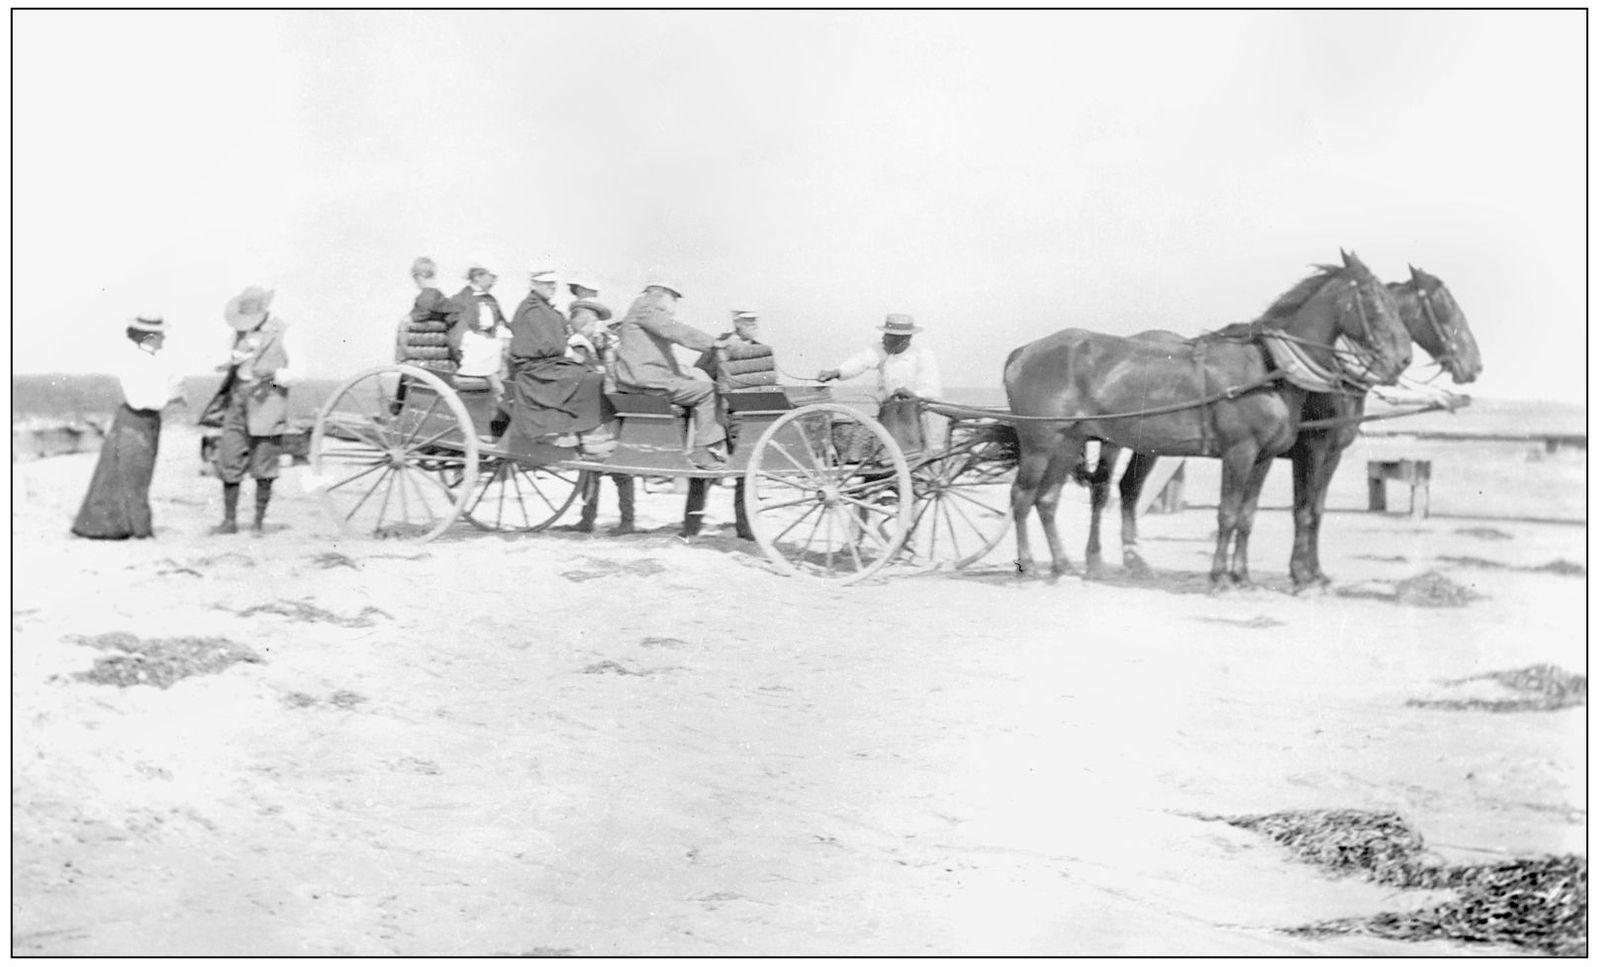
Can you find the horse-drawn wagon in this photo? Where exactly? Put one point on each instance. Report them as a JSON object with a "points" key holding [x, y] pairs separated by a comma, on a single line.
{"points": [[830, 492]]}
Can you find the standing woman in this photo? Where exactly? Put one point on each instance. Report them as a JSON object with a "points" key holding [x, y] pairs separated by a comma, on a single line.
{"points": [[117, 506]]}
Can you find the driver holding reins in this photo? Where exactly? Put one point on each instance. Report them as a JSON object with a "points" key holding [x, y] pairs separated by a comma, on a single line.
{"points": [[904, 371]]}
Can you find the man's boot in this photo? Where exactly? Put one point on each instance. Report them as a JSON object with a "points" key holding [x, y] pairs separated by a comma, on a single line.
{"points": [[627, 504], [587, 509], [233, 491], [261, 500]]}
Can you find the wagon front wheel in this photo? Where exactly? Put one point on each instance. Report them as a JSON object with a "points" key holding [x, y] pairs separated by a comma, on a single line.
{"points": [[962, 501], [820, 513], [390, 453]]}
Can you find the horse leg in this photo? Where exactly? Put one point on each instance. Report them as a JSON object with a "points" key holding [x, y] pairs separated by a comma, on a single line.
{"points": [[1098, 481], [1032, 464], [1236, 463], [1064, 456], [1324, 476], [1305, 476], [1245, 521], [1130, 492]]}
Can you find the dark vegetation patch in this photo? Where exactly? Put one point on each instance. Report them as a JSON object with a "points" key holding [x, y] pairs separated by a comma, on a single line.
{"points": [[1258, 621], [1386, 558], [159, 662], [305, 611], [608, 667], [1431, 589], [1537, 904], [1485, 533], [345, 699], [331, 559], [657, 642], [1545, 688], [1559, 566], [597, 567]]}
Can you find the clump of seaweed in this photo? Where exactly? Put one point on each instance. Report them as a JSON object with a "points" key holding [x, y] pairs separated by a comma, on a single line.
{"points": [[1545, 688], [304, 611], [1431, 589], [160, 662], [1539, 904]]}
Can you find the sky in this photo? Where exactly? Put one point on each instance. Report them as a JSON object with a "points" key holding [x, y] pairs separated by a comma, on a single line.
{"points": [[999, 176]]}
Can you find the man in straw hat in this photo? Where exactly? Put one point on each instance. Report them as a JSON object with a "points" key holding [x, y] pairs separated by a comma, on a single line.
{"points": [[264, 363], [117, 505], [647, 341], [905, 371]]}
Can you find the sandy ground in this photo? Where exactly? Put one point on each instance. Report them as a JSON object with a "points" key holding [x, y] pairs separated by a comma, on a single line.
{"points": [[561, 744]]}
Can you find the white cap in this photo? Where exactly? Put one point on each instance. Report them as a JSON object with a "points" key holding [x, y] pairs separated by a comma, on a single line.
{"points": [[542, 270], [745, 313]]}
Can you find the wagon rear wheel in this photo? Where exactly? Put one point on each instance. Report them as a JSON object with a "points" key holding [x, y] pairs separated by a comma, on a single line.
{"points": [[962, 499], [390, 452], [511, 496], [820, 514]]}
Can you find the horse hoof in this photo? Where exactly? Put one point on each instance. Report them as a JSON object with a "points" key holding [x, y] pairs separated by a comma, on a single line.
{"points": [[1221, 582], [1312, 585], [1135, 564]]}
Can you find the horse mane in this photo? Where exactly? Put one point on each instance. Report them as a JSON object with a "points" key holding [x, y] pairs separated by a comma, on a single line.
{"points": [[1290, 302]]}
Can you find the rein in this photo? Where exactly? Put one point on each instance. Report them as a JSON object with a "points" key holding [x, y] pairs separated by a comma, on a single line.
{"points": [[974, 412]]}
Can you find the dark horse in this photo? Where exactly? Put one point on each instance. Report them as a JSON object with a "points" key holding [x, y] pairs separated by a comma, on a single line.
{"points": [[1217, 395], [1435, 321]]}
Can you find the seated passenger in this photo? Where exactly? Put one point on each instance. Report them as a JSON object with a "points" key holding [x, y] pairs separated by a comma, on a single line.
{"points": [[423, 337], [647, 341], [553, 394], [594, 340], [473, 308], [743, 363]]}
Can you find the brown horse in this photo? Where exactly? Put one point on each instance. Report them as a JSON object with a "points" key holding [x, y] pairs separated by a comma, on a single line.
{"points": [[1217, 395], [1435, 321]]}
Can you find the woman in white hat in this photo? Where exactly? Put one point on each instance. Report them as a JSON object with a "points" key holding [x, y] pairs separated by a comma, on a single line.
{"points": [[118, 505]]}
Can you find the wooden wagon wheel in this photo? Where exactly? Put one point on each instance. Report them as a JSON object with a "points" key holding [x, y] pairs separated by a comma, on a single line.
{"points": [[390, 452], [819, 515], [513, 496], [963, 500]]}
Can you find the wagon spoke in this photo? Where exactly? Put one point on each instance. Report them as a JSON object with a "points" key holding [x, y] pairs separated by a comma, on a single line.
{"points": [[437, 399], [366, 496], [778, 505], [809, 540], [791, 459], [388, 494], [789, 481], [435, 438], [809, 446]]}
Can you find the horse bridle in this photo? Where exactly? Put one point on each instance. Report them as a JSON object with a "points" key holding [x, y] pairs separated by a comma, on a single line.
{"points": [[1445, 336]]}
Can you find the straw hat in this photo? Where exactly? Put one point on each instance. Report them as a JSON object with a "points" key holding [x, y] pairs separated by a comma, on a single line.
{"points": [[248, 310], [899, 324], [147, 322]]}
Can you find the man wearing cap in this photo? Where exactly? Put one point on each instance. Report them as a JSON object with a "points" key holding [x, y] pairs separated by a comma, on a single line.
{"points": [[473, 308], [904, 370], [117, 507], [264, 363], [553, 392], [589, 319], [647, 341], [744, 364]]}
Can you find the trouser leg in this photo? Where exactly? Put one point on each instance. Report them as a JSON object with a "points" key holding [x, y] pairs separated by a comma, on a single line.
{"points": [[699, 397]]}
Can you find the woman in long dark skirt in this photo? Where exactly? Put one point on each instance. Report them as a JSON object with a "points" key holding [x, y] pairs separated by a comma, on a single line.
{"points": [[117, 506]]}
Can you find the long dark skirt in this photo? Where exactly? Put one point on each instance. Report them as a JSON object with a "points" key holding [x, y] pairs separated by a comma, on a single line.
{"points": [[117, 506], [551, 396]]}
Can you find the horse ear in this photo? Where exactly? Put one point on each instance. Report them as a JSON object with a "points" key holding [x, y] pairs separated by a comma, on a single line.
{"points": [[1344, 256]]}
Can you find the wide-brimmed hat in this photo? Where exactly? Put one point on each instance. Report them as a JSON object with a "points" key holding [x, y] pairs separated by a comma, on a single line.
{"points": [[249, 309], [147, 322], [480, 263], [899, 324], [602, 312], [584, 281], [665, 280]]}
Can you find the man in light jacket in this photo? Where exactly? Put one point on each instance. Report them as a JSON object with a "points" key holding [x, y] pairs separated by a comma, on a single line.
{"points": [[648, 338]]}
